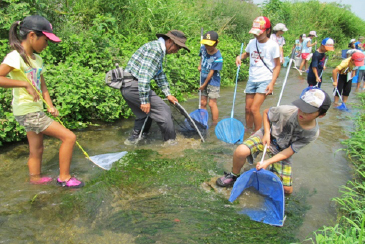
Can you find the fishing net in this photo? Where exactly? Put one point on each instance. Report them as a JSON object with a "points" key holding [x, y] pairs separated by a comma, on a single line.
{"points": [[188, 126], [105, 161], [230, 130], [268, 185]]}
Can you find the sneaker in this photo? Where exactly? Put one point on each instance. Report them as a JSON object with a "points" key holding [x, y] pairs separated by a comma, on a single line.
{"points": [[71, 183], [227, 180], [133, 138], [40, 181]]}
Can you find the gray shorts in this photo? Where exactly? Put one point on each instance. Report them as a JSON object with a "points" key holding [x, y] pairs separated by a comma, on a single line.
{"points": [[37, 121], [211, 91]]}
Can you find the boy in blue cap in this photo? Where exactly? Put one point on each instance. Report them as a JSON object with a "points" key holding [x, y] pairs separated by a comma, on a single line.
{"points": [[317, 65]]}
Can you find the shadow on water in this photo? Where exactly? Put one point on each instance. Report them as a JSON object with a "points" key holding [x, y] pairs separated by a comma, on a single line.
{"points": [[166, 193]]}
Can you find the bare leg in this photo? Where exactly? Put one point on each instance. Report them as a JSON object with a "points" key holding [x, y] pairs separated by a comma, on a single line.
{"points": [[35, 154], [288, 189], [68, 139], [302, 64], [345, 98], [248, 113], [239, 158], [255, 109], [214, 109], [203, 102]]}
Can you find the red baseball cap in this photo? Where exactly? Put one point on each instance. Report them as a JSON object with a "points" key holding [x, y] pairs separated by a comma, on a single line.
{"points": [[260, 24], [358, 58]]}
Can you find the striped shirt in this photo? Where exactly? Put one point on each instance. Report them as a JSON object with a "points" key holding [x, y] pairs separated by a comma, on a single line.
{"points": [[145, 65]]}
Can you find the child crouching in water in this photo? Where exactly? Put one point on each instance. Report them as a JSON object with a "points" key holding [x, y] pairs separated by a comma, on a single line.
{"points": [[24, 66], [211, 63], [286, 130]]}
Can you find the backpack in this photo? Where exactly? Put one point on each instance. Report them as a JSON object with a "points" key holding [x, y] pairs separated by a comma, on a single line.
{"points": [[114, 78]]}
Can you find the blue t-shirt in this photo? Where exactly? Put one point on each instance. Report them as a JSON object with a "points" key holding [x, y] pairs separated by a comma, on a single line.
{"points": [[317, 62], [211, 62], [362, 67], [357, 45]]}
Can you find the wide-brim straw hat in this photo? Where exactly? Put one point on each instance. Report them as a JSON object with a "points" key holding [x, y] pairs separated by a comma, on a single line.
{"points": [[178, 37]]}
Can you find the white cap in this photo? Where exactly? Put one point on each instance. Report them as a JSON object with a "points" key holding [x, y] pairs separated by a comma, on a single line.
{"points": [[280, 27], [313, 33], [352, 40]]}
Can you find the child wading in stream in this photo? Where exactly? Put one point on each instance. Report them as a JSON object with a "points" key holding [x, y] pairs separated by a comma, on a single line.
{"points": [[26, 69], [286, 130]]}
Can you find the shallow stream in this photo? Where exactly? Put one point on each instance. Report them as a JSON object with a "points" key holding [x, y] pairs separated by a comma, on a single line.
{"points": [[165, 193]]}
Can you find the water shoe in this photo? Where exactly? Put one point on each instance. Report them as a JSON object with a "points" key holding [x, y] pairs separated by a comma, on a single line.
{"points": [[40, 181], [71, 183], [227, 180]]}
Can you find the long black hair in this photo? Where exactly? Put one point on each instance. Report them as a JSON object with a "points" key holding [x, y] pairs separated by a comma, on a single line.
{"points": [[16, 37]]}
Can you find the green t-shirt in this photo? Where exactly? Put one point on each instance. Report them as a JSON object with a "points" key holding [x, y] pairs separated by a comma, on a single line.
{"points": [[22, 101]]}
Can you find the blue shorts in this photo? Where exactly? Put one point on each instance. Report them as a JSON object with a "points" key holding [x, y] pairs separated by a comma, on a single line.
{"points": [[257, 87]]}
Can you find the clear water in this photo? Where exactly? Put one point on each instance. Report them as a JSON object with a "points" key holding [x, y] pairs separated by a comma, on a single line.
{"points": [[30, 213]]}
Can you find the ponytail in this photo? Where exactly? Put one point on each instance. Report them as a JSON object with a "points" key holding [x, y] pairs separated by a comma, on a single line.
{"points": [[15, 39]]}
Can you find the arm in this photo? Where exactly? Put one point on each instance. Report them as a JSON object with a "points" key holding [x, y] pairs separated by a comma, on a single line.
{"points": [[266, 138], [286, 153], [9, 83], [243, 56], [206, 82], [334, 77], [275, 74], [52, 110], [315, 72], [200, 65]]}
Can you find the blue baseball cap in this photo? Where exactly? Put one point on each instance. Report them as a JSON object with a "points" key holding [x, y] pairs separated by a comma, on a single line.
{"points": [[328, 43]]}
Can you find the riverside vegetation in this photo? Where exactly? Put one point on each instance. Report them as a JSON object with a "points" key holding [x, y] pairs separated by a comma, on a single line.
{"points": [[96, 34]]}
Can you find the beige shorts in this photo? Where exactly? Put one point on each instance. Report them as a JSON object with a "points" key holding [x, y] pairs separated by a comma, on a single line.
{"points": [[211, 91], [36, 122]]}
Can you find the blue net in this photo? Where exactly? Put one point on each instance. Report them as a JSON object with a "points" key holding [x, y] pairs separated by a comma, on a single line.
{"points": [[230, 130], [200, 117], [270, 186]]}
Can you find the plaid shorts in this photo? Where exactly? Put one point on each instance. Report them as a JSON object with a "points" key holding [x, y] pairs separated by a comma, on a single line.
{"points": [[282, 169], [37, 121], [211, 91]]}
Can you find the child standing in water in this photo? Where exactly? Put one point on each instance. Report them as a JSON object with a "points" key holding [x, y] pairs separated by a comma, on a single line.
{"points": [[26, 69], [265, 67], [211, 63]]}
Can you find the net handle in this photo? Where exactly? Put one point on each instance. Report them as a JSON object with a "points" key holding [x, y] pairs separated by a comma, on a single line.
{"points": [[200, 73], [235, 88]]}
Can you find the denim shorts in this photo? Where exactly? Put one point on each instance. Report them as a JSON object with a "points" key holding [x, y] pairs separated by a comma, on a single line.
{"points": [[257, 87], [37, 121], [211, 91]]}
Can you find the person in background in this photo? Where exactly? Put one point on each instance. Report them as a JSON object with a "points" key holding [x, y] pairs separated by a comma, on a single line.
{"points": [[298, 45], [358, 44], [265, 67], [145, 65], [346, 66], [307, 50], [25, 69], [361, 76], [277, 36], [286, 130], [211, 63], [352, 44], [317, 65]]}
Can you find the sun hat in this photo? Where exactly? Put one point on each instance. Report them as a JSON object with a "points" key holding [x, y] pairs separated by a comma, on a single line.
{"points": [[260, 24], [39, 23], [312, 99], [280, 27], [178, 37], [304, 35], [358, 58], [313, 33], [352, 40], [210, 38], [328, 44]]}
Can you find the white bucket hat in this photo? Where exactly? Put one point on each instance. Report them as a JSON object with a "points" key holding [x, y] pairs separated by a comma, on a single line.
{"points": [[280, 27]]}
